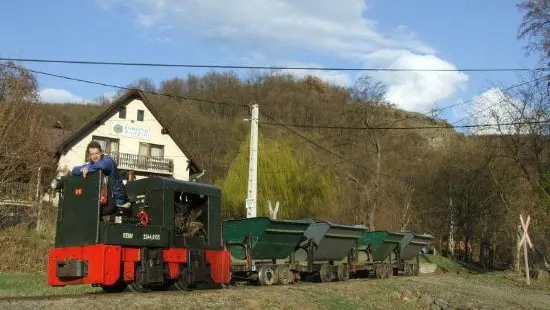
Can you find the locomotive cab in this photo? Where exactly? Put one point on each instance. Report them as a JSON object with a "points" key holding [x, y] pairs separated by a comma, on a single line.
{"points": [[170, 235]]}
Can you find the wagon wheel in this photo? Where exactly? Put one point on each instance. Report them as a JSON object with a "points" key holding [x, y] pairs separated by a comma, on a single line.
{"points": [[266, 276], [408, 270], [137, 284], [296, 277], [343, 273], [416, 270], [325, 273], [389, 271], [378, 271], [284, 275], [395, 271]]}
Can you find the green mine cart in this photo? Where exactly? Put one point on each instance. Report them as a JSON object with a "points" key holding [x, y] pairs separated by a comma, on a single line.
{"points": [[262, 249], [376, 254], [409, 250], [326, 250]]}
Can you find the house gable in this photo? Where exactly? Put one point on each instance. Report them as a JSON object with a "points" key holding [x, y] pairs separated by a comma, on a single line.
{"points": [[133, 138]]}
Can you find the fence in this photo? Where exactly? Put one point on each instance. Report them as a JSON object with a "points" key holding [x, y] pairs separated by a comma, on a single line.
{"points": [[20, 202], [17, 193]]}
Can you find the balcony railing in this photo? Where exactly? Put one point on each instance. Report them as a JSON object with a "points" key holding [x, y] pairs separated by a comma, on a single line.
{"points": [[143, 163]]}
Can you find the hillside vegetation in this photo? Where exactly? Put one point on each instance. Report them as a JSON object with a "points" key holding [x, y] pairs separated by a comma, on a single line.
{"points": [[399, 179]]}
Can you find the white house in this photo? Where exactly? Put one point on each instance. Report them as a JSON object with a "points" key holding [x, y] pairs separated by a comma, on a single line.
{"points": [[134, 134]]}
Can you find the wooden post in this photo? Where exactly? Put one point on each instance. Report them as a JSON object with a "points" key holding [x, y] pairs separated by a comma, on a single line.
{"points": [[517, 257], [525, 240], [39, 201]]}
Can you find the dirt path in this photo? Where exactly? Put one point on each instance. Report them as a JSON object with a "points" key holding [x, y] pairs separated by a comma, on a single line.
{"points": [[448, 291]]}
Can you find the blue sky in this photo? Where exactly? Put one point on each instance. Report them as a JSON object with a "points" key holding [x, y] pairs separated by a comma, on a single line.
{"points": [[319, 33]]}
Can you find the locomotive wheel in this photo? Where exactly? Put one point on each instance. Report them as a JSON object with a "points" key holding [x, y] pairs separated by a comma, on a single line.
{"points": [[118, 287], [284, 275], [181, 284], [343, 273], [162, 287], [137, 285], [325, 273], [266, 276]]}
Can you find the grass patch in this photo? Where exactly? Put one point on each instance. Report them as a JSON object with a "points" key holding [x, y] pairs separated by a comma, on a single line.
{"points": [[24, 250], [338, 302], [35, 284], [443, 263]]}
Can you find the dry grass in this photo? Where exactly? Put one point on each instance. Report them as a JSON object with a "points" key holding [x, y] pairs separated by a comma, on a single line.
{"points": [[438, 291], [25, 249]]}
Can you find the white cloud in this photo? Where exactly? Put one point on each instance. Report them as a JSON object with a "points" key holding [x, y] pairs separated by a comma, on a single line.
{"points": [[494, 107], [415, 90], [54, 95], [327, 28]]}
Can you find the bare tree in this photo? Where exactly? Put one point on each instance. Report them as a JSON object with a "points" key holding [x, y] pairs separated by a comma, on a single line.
{"points": [[21, 132], [535, 26]]}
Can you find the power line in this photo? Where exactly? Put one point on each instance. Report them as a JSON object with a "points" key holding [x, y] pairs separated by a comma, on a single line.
{"points": [[210, 66], [287, 127], [400, 128], [129, 88]]}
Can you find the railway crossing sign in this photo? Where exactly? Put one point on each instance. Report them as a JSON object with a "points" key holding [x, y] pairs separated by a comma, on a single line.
{"points": [[525, 225], [525, 241]]}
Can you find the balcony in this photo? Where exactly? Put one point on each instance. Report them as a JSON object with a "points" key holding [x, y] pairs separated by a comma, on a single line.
{"points": [[144, 163], [150, 164]]}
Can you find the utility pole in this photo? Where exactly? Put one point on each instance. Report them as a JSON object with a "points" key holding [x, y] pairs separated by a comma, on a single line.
{"points": [[253, 164]]}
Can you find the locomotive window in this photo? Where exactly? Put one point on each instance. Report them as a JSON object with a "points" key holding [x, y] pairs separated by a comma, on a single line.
{"points": [[190, 215]]}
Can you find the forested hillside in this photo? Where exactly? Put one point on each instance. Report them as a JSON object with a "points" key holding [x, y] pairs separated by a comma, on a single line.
{"points": [[419, 179]]}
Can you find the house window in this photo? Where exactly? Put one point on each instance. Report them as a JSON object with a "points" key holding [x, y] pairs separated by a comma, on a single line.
{"points": [[140, 114], [151, 150], [108, 145], [122, 112]]}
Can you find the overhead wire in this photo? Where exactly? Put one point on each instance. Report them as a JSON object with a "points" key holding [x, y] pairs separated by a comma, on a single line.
{"points": [[310, 140], [198, 100], [211, 66], [402, 128]]}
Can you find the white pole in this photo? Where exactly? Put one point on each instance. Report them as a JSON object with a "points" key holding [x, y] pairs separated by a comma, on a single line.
{"points": [[253, 164]]}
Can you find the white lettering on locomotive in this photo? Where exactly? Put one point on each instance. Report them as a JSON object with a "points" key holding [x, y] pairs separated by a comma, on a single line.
{"points": [[151, 237], [127, 235]]}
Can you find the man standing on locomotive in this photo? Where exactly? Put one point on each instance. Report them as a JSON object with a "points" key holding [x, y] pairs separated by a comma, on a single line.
{"points": [[105, 163]]}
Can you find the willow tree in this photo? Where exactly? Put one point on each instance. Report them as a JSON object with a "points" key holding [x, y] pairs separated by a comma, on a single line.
{"points": [[303, 190]]}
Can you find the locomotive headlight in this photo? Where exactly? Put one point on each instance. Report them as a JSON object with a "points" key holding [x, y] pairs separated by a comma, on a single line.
{"points": [[56, 184]]}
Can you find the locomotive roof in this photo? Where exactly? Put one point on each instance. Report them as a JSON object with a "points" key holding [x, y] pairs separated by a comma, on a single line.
{"points": [[177, 185]]}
